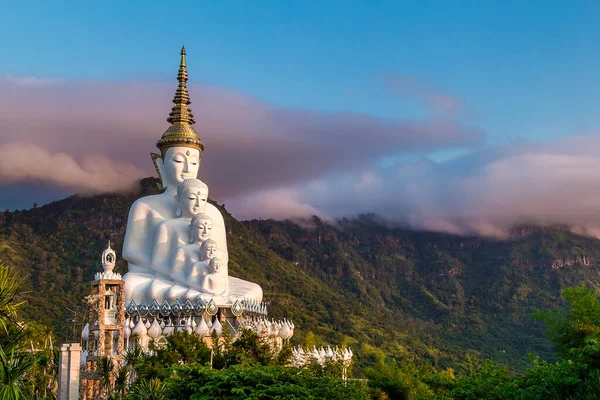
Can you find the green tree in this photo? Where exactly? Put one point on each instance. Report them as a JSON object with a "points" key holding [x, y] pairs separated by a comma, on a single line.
{"points": [[258, 382], [310, 340], [14, 367], [574, 330], [152, 389], [133, 357], [121, 377], [11, 286], [106, 369], [561, 380], [482, 382], [217, 357], [44, 375], [249, 348], [387, 377], [16, 364], [181, 348], [569, 327]]}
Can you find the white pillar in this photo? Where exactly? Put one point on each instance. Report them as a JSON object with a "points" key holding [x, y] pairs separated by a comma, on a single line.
{"points": [[68, 373]]}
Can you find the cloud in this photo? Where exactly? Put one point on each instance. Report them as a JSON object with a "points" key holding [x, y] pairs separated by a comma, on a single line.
{"points": [[277, 203], [487, 192], [250, 145], [266, 161], [92, 174]]}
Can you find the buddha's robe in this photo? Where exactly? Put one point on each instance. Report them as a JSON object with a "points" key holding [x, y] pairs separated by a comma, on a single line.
{"points": [[144, 217]]}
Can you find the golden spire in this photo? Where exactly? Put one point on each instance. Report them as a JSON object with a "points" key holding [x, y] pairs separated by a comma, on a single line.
{"points": [[180, 133], [181, 113]]}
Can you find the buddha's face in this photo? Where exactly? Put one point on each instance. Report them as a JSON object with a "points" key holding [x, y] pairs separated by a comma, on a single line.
{"points": [[216, 265], [180, 163], [210, 252], [203, 229], [192, 202]]}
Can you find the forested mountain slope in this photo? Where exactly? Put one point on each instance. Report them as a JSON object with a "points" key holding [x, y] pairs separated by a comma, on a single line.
{"points": [[409, 294]]}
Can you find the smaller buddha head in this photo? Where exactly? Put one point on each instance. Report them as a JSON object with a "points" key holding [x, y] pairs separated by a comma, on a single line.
{"points": [[200, 227], [208, 250], [214, 266], [192, 197]]}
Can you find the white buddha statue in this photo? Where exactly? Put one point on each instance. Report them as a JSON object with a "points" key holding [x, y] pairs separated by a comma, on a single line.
{"points": [[198, 270], [179, 159], [208, 250], [192, 196], [214, 282], [200, 229]]}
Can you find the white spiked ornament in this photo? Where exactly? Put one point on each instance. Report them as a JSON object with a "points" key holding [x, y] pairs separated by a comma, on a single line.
{"points": [[85, 334], [216, 327], [202, 329], [154, 331], [127, 329]]}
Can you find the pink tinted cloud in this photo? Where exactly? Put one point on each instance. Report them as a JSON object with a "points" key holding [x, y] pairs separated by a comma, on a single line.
{"points": [[250, 145], [279, 203], [486, 193], [91, 174], [265, 161]]}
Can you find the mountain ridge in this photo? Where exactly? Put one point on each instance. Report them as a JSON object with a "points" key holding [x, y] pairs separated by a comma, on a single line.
{"points": [[381, 289]]}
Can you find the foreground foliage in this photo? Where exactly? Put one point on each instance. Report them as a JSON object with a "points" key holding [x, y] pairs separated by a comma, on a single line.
{"points": [[256, 382], [575, 376], [246, 368], [575, 331], [26, 372]]}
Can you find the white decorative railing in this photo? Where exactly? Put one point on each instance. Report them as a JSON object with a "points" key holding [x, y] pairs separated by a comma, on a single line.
{"points": [[144, 323], [107, 275]]}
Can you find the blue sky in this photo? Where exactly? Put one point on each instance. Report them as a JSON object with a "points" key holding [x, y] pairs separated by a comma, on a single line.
{"points": [[525, 69], [440, 113]]}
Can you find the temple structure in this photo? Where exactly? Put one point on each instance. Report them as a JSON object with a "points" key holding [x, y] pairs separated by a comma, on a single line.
{"points": [[178, 277], [176, 249], [169, 258], [104, 335]]}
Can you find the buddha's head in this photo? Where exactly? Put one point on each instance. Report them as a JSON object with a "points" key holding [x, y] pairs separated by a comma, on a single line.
{"points": [[179, 145], [177, 164], [208, 250], [192, 196], [214, 266], [200, 227]]}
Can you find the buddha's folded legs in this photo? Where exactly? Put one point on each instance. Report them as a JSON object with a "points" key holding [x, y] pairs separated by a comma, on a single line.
{"points": [[150, 287], [158, 289], [240, 288], [136, 286]]}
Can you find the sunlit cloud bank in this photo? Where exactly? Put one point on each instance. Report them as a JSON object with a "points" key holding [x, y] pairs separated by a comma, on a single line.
{"points": [[91, 174], [486, 193], [265, 161], [250, 144]]}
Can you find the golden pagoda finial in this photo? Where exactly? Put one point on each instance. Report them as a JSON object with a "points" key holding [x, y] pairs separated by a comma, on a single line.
{"points": [[180, 113], [180, 133]]}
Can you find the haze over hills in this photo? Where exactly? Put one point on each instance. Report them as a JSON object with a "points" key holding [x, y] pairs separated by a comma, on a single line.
{"points": [[409, 294]]}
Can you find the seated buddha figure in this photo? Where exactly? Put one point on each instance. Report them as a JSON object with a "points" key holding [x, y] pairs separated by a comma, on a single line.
{"points": [[200, 229], [196, 271], [215, 282], [192, 196], [179, 159]]}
